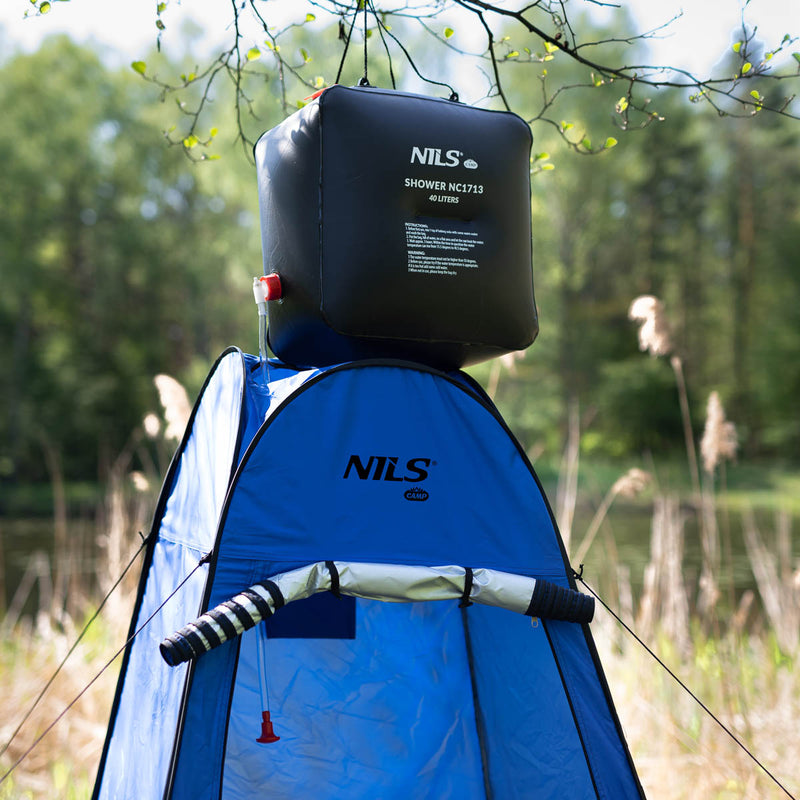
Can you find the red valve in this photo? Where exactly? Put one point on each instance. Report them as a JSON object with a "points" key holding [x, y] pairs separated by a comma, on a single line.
{"points": [[268, 735], [272, 286]]}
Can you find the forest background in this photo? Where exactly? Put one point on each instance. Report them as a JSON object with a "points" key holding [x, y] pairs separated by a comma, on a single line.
{"points": [[121, 259]]}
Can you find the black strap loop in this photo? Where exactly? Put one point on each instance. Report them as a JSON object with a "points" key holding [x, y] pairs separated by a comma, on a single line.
{"points": [[465, 601], [365, 80], [277, 596], [335, 588]]}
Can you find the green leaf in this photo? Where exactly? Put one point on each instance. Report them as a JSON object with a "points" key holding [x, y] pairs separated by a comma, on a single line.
{"points": [[160, 25], [737, 47], [622, 105], [548, 166], [310, 17], [44, 8], [161, 7], [306, 56], [796, 57], [551, 48], [755, 94], [253, 53], [213, 132], [610, 142], [191, 141], [138, 66], [586, 142], [448, 32], [565, 126], [746, 67], [541, 156], [513, 54]]}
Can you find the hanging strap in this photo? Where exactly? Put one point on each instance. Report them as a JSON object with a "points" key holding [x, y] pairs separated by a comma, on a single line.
{"points": [[335, 587], [364, 80], [465, 601]]}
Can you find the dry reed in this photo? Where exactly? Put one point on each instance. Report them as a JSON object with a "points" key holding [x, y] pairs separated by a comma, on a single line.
{"points": [[62, 767]]}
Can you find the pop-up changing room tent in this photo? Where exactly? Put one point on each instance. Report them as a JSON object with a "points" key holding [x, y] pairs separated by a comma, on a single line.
{"points": [[422, 635]]}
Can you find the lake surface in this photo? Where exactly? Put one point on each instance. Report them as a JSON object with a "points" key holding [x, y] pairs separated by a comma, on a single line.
{"points": [[26, 553]]}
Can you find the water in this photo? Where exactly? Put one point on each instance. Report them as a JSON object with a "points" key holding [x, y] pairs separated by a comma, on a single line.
{"points": [[27, 563], [26, 553], [625, 539]]}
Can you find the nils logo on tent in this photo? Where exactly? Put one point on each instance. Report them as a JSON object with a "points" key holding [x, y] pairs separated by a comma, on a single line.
{"points": [[385, 468]]}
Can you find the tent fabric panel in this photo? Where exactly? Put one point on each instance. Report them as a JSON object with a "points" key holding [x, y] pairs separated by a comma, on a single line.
{"points": [[268, 385], [606, 750], [147, 713], [200, 744], [211, 438], [386, 715], [414, 435], [532, 746], [207, 460]]}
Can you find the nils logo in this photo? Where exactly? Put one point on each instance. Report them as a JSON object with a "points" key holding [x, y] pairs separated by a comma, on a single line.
{"points": [[433, 156], [389, 468]]}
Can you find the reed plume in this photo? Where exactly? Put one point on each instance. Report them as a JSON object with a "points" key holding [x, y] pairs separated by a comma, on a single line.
{"points": [[152, 425], [176, 405], [655, 336], [719, 442]]}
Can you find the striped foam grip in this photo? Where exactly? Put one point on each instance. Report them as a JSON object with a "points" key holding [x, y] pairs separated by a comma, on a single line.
{"points": [[227, 621]]}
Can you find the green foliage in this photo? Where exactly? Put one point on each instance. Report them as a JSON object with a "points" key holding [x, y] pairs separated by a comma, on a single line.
{"points": [[117, 255], [637, 407], [122, 259]]}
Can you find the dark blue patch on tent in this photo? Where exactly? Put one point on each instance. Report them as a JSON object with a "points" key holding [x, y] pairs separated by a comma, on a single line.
{"points": [[322, 616]]}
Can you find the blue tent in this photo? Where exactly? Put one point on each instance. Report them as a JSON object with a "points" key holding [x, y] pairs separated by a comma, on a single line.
{"points": [[385, 463]]}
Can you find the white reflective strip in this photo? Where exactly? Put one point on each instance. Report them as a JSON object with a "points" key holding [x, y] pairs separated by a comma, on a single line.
{"points": [[264, 595], [193, 626], [211, 623], [249, 606], [396, 583], [303, 582], [233, 619], [504, 589]]}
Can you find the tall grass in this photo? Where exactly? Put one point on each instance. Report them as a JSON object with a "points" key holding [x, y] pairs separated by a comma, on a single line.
{"points": [[740, 664], [63, 764]]}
